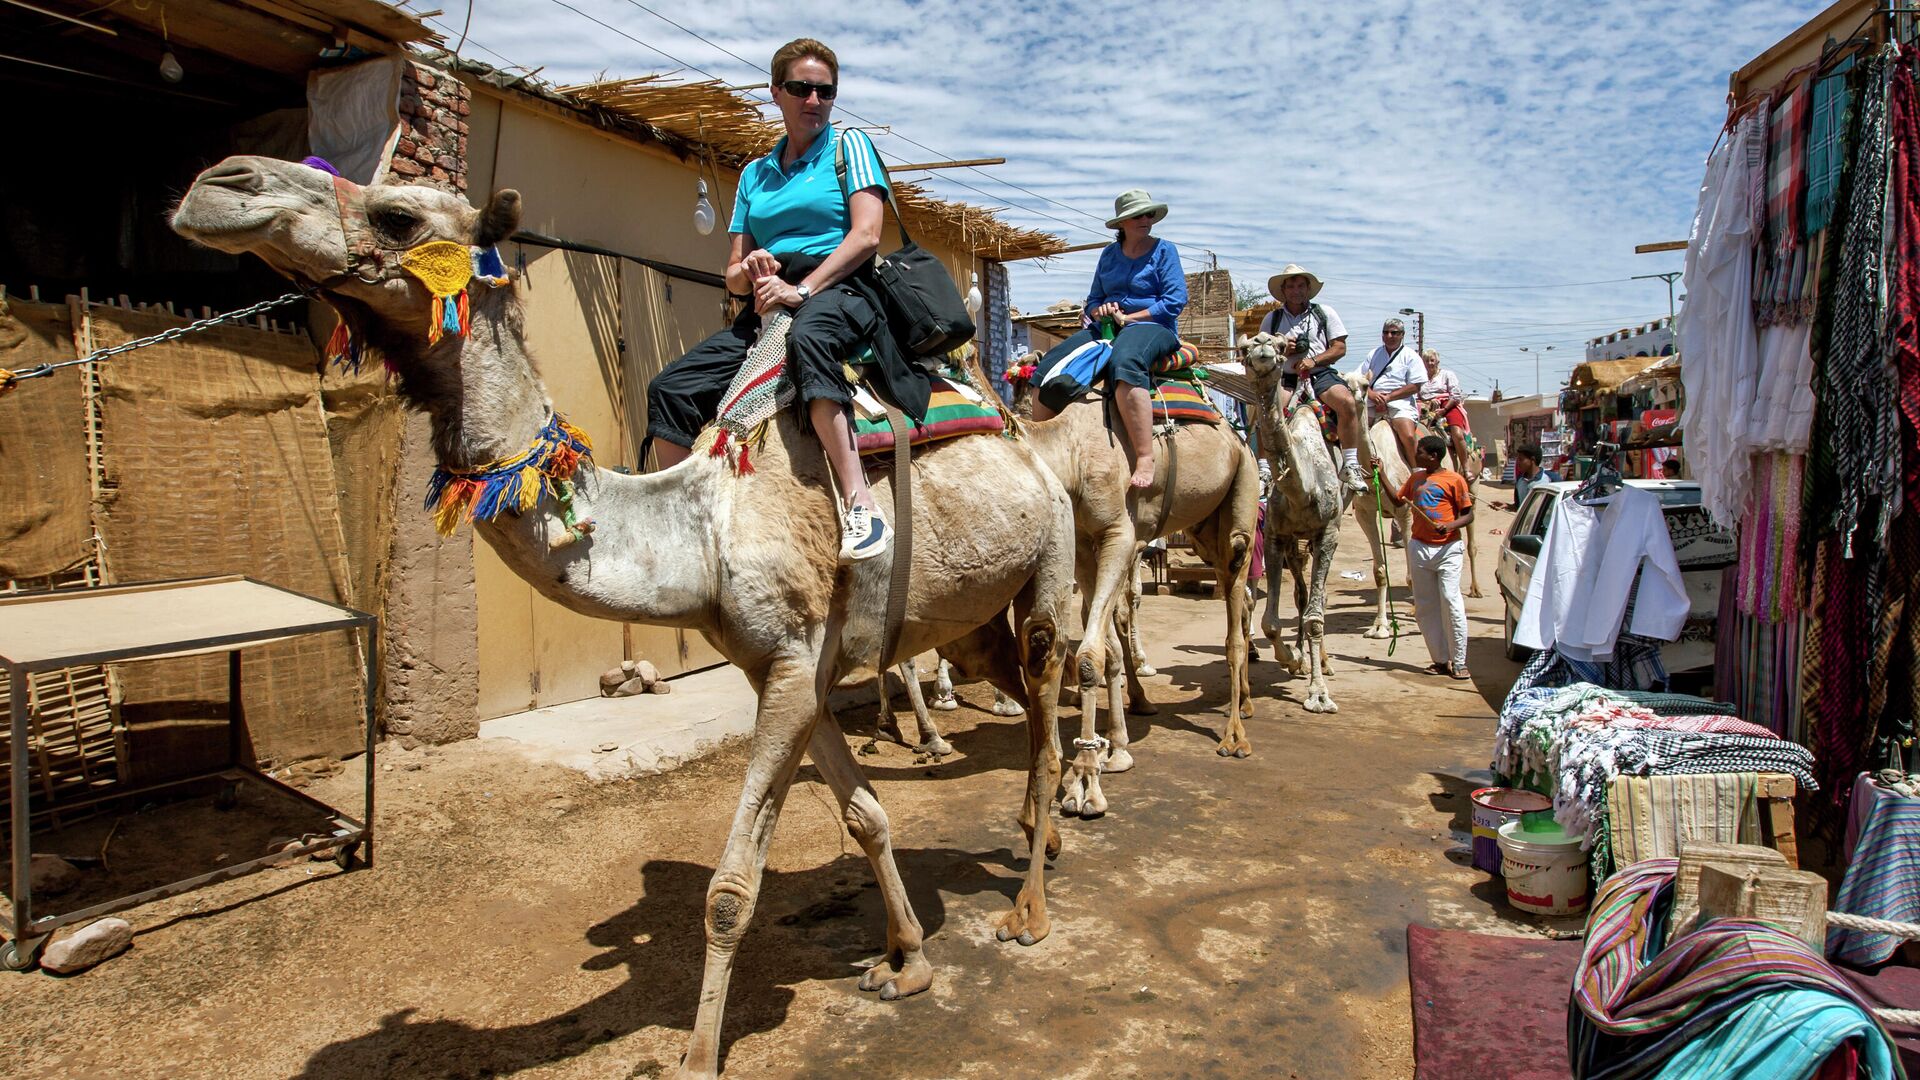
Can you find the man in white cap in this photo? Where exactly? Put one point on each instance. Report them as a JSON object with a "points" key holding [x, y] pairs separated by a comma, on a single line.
{"points": [[1317, 339], [1395, 373]]}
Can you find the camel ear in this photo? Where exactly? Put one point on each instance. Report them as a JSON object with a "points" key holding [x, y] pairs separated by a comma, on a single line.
{"points": [[499, 220]]}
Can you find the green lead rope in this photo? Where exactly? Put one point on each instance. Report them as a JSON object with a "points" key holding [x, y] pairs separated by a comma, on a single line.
{"points": [[1380, 529]]}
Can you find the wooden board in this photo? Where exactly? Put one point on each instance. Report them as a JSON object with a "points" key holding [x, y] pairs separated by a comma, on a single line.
{"points": [[57, 629]]}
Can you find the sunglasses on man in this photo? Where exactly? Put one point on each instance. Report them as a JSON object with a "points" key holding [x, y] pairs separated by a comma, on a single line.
{"points": [[800, 88]]}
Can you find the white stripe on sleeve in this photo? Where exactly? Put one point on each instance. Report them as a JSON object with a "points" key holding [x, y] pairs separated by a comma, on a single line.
{"points": [[863, 162]]}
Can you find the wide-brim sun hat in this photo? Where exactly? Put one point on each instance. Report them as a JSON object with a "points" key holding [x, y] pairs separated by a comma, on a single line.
{"points": [[1132, 203], [1293, 270]]}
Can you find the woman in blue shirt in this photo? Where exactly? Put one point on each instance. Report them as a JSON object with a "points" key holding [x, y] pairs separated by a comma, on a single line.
{"points": [[1139, 285], [802, 241]]}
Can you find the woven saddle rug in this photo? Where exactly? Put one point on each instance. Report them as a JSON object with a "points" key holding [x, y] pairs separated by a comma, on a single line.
{"points": [[1177, 394], [954, 409]]}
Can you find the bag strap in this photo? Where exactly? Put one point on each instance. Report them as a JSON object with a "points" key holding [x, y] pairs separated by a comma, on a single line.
{"points": [[840, 174]]}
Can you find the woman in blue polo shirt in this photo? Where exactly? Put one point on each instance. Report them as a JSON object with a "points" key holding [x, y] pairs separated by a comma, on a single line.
{"points": [[1139, 285], [799, 241]]}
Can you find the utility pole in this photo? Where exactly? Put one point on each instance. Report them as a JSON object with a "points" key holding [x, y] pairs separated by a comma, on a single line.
{"points": [[1536, 365], [1420, 327], [1669, 277]]}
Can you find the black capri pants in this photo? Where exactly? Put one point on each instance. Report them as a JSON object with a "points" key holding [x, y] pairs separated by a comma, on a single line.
{"points": [[828, 331]]}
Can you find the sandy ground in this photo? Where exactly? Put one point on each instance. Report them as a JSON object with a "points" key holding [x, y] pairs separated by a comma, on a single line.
{"points": [[1226, 918]]}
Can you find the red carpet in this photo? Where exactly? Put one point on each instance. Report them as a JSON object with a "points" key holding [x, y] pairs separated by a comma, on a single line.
{"points": [[1487, 1007], [1495, 1008]]}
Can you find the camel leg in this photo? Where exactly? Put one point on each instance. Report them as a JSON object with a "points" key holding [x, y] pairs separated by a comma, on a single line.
{"points": [[1101, 566], [1314, 621], [943, 698], [1117, 758], [904, 969], [930, 740], [1132, 653], [1226, 543], [1031, 668], [1370, 525], [1276, 568], [791, 701], [1473, 554]]}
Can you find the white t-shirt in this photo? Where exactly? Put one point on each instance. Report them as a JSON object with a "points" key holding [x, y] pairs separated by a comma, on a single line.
{"points": [[1280, 322], [1387, 372], [1442, 387]]}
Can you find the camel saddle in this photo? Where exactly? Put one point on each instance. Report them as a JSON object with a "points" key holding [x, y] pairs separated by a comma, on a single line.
{"points": [[954, 409]]}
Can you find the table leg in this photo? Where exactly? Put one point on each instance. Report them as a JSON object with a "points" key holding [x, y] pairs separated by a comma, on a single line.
{"points": [[22, 795]]}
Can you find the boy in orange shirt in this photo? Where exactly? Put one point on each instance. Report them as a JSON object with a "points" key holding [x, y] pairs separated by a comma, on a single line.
{"points": [[1442, 506]]}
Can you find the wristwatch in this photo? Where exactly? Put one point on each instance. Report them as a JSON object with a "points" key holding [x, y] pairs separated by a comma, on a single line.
{"points": [[805, 292]]}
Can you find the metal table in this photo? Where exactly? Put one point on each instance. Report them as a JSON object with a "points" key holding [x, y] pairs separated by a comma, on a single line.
{"points": [[152, 621]]}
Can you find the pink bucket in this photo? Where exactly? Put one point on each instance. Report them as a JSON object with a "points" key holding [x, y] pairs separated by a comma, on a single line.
{"points": [[1492, 808]]}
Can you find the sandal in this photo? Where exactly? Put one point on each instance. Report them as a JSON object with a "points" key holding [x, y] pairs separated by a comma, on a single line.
{"points": [[1439, 669], [1461, 674]]}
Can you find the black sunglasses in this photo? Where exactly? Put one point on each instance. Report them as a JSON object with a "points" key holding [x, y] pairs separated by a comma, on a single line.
{"points": [[800, 88]]}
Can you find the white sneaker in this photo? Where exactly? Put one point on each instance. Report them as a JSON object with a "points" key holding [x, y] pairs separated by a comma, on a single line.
{"points": [[1353, 478], [863, 535]]}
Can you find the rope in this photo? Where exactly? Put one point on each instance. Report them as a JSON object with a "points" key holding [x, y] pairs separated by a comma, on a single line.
{"points": [[11, 379], [1386, 562], [1866, 925]]}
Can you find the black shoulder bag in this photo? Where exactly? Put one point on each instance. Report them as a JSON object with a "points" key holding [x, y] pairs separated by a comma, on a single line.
{"points": [[923, 306]]}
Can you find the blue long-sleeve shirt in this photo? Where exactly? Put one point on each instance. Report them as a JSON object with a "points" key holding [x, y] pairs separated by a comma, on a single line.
{"points": [[1153, 281]]}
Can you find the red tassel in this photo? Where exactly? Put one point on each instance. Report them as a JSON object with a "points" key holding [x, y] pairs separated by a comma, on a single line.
{"points": [[746, 464], [719, 445]]}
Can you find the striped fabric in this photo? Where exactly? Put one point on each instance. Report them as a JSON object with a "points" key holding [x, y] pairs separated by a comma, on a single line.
{"points": [[1638, 1001], [1786, 191], [1181, 359], [1180, 400], [951, 411], [1826, 145], [1883, 879], [1903, 262], [1650, 816], [1786, 1033]]}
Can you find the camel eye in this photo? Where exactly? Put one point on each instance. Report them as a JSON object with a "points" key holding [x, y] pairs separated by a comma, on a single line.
{"points": [[396, 223]]}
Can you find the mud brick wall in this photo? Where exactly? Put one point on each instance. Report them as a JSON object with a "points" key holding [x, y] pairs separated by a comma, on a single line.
{"points": [[434, 106]]}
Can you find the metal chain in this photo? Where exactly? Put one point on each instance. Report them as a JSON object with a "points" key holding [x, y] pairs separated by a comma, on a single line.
{"points": [[38, 370]]}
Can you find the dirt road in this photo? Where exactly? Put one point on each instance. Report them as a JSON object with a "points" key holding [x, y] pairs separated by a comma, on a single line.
{"points": [[1226, 918]]}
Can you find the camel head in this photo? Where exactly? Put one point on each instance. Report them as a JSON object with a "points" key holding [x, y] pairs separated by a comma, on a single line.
{"points": [[340, 240], [1263, 353]]}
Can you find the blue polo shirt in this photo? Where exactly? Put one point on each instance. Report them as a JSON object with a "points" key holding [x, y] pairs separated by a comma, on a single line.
{"points": [[801, 211]]}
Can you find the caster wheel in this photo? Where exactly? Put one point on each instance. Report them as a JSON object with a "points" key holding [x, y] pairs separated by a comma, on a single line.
{"points": [[15, 958], [227, 797], [344, 857]]}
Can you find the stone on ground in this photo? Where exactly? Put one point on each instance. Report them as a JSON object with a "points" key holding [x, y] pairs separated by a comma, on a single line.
{"points": [[91, 944]]}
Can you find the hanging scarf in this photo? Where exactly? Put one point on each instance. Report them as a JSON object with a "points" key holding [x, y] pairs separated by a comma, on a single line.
{"points": [[760, 389], [1903, 268]]}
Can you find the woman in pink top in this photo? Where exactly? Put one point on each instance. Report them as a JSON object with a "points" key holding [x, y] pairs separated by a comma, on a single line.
{"points": [[1443, 405]]}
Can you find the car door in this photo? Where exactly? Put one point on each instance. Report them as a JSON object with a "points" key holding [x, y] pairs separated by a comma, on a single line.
{"points": [[1522, 549]]}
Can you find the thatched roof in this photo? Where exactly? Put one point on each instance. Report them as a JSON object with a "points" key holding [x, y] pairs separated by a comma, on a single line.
{"points": [[714, 117], [1607, 374]]}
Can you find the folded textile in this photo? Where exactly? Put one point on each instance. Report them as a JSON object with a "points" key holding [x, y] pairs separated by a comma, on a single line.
{"points": [[1883, 879], [1676, 704], [1639, 1002], [1651, 816]]}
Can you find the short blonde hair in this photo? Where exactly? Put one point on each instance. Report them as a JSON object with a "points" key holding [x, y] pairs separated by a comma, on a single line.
{"points": [[1431, 354], [800, 49]]}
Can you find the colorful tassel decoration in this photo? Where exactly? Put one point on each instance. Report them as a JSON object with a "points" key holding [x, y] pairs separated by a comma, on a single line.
{"points": [[343, 349], [515, 484]]}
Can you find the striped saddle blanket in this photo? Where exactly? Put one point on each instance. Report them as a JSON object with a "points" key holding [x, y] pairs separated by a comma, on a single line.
{"points": [[954, 409], [1177, 397]]}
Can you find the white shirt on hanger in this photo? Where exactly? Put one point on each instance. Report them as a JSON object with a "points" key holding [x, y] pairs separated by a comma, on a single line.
{"points": [[1586, 571]]}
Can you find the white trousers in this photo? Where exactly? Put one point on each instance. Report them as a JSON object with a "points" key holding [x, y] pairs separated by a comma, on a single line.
{"points": [[1434, 570]]}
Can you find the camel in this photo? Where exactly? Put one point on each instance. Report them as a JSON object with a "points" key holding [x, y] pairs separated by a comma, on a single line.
{"points": [[1304, 506], [748, 560], [1216, 503]]}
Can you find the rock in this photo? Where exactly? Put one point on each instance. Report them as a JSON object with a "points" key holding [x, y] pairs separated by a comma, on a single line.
{"points": [[661, 687], [53, 875], [611, 679], [646, 672], [87, 946], [631, 688], [411, 766], [407, 742], [606, 748]]}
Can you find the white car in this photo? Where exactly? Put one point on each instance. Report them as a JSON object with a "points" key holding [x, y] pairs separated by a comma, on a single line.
{"points": [[1702, 550]]}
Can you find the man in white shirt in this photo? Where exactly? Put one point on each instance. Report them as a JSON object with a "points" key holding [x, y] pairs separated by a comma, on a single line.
{"points": [[1317, 341], [1394, 375]]}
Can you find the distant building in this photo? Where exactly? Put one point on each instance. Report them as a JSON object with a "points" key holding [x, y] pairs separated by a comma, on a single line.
{"points": [[1648, 339]]}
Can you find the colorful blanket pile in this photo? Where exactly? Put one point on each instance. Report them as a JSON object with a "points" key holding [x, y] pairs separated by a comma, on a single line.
{"points": [[1883, 875], [954, 409], [1732, 998], [1181, 400]]}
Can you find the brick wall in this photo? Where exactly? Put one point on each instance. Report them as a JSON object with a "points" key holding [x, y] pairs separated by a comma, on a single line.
{"points": [[434, 106]]}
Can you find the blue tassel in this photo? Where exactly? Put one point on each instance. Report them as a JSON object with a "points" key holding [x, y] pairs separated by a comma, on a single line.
{"points": [[450, 315]]}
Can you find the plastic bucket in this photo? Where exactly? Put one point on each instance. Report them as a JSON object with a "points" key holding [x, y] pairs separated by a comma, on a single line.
{"points": [[1545, 869], [1492, 808]]}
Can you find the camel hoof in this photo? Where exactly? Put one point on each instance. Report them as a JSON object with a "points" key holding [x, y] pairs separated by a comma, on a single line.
{"points": [[936, 746], [1146, 671], [1027, 938], [1377, 633], [944, 704], [1005, 933], [1225, 749], [1120, 760], [1243, 750], [1070, 806], [909, 982], [1321, 703], [1008, 708], [1142, 707]]}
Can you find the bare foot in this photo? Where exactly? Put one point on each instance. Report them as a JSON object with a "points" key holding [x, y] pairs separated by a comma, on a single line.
{"points": [[1142, 474]]}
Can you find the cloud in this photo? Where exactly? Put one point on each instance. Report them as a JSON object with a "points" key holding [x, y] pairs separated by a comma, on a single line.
{"points": [[1409, 152]]}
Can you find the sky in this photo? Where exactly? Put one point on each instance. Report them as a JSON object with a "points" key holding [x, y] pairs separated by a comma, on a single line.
{"points": [[1491, 165]]}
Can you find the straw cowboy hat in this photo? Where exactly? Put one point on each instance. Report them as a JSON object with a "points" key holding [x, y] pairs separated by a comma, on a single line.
{"points": [[1133, 202], [1293, 270]]}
